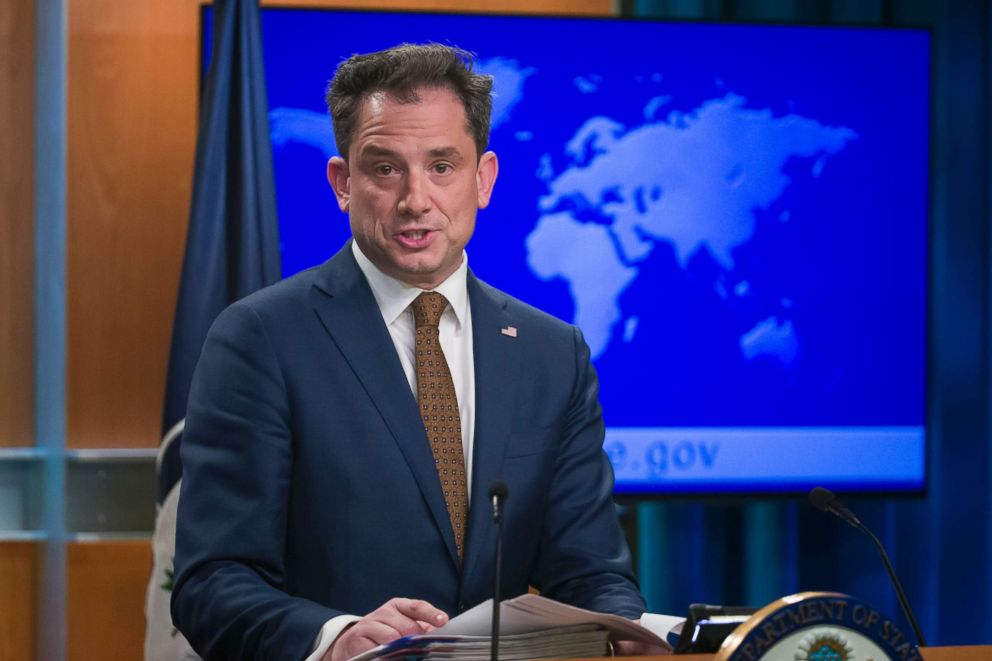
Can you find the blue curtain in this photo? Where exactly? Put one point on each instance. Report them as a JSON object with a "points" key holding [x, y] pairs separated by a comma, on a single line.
{"points": [[750, 551]]}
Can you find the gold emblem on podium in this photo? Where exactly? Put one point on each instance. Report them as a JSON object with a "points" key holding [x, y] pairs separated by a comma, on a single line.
{"points": [[818, 626]]}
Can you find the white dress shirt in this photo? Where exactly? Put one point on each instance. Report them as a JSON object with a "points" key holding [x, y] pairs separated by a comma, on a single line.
{"points": [[455, 329]]}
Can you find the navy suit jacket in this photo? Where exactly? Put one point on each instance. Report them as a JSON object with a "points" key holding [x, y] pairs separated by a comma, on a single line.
{"points": [[309, 489]]}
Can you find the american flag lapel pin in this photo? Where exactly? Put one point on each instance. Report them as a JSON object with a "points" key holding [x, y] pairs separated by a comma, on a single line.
{"points": [[509, 331]]}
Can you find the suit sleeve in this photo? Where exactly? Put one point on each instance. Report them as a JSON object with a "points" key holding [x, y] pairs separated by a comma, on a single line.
{"points": [[237, 453], [584, 559]]}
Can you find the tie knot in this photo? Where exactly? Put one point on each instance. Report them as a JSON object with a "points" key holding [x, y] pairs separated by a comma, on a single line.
{"points": [[428, 308]]}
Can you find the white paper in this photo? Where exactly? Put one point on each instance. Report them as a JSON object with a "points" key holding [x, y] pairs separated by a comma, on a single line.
{"points": [[662, 625]]}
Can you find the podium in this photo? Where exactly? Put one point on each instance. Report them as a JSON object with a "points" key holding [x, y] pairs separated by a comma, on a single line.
{"points": [[960, 653], [812, 625]]}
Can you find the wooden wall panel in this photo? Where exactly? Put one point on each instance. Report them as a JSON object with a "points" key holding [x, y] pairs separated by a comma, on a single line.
{"points": [[132, 133], [16, 223], [105, 613], [18, 577]]}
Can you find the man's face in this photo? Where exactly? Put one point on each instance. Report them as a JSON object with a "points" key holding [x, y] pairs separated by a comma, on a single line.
{"points": [[412, 185]]}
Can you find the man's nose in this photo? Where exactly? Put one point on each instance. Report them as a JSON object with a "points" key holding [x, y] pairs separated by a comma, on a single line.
{"points": [[415, 200]]}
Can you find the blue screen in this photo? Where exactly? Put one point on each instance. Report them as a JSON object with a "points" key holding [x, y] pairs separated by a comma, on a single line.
{"points": [[734, 215]]}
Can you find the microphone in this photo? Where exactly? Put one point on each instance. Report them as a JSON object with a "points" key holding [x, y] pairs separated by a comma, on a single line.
{"points": [[497, 494], [826, 500]]}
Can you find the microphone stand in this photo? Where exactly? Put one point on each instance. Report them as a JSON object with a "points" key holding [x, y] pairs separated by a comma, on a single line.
{"points": [[827, 501], [497, 492]]}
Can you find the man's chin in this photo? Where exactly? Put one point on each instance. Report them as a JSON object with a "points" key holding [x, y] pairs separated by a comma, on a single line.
{"points": [[419, 273], [423, 270]]}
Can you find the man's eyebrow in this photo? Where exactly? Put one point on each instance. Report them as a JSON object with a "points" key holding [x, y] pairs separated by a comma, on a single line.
{"points": [[444, 152], [376, 150]]}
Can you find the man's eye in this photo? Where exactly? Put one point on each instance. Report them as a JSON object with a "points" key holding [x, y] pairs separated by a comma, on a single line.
{"points": [[384, 169], [442, 168]]}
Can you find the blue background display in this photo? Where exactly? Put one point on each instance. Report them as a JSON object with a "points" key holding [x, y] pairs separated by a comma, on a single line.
{"points": [[735, 216]]}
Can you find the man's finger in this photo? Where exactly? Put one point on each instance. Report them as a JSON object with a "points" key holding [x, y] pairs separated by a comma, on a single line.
{"points": [[403, 624], [360, 637], [374, 631], [420, 610]]}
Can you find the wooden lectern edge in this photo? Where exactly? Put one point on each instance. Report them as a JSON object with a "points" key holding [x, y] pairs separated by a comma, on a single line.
{"points": [[954, 653]]}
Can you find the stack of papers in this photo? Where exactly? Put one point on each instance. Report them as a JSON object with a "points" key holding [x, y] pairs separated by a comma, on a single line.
{"points": [[531, 627], [579, 641]]}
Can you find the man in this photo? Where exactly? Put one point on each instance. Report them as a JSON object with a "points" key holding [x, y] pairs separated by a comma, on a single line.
{"points": [[344, 427]]}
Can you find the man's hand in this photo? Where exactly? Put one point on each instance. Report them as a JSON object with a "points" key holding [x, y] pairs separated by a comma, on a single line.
{"points": [[394, 619]]}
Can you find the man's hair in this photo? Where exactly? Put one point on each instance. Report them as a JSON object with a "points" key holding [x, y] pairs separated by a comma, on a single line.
{"points": [[400, 72]]}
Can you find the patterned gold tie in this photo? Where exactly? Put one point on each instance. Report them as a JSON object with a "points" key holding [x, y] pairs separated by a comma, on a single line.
{"points": [[439, 410]]}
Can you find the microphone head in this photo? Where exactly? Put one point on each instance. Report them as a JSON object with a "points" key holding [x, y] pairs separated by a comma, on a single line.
{"points": [[498, 490], [822, 499]]}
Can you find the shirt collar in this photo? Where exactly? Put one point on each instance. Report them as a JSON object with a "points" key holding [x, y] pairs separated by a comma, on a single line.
{"points": [[394, 297]]}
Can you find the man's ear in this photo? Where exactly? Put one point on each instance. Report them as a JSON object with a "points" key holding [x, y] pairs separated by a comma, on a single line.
{"points": [[485, 177], [340, 180]]}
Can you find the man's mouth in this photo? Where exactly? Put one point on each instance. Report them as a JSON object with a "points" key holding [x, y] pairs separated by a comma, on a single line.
{"points": [[415, 239]]}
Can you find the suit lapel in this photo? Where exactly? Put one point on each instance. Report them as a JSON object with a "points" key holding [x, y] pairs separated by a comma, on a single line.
{"points": [[348, 311], [496, 369]]}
